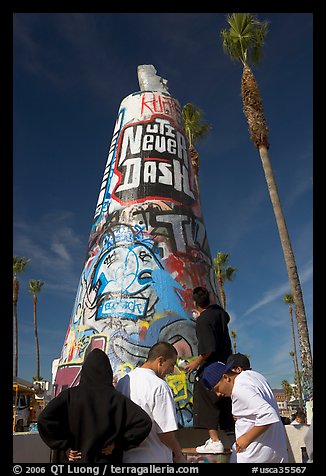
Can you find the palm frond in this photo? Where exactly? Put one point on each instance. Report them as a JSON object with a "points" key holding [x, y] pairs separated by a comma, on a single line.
{"points": [[35, 286], [288, 299], [245, 38], [19, 264], [195, 127]]}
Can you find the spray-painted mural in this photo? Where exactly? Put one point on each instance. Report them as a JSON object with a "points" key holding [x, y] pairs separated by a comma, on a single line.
{"points": [[147, 248]]}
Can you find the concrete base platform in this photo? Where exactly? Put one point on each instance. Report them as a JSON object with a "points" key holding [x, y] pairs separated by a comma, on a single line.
{"points": [[191, 437], [193, 457]]}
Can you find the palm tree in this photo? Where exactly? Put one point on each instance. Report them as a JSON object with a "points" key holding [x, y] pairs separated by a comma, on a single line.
{"points": [[34, 288], [18, 267], [288, 390], [244, 42], [288, 299], [195, 129], [234, 337], [223, 272]]}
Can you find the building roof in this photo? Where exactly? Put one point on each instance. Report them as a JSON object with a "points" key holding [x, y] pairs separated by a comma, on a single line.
{"points": [[23, 382]]}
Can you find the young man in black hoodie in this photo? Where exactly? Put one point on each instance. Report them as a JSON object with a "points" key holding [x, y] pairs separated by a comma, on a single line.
{"points": [[214, 344], [93, 422]]}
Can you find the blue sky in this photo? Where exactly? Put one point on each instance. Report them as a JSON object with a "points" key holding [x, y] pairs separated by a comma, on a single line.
{"points": [[71, 71]]}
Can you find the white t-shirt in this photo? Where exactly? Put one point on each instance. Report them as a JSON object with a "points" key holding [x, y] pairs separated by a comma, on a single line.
{"points": [[253, 404], [153, 395]]}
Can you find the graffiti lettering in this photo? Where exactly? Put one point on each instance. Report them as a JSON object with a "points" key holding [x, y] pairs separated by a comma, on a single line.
{"points": [[160, 136], [128, 308], [103, 199], [157, 103], [160, 172], [153, 162], [186, 230]]}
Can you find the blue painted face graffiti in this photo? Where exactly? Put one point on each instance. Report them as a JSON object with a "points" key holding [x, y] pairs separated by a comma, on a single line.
{"points": [[122, 280]]}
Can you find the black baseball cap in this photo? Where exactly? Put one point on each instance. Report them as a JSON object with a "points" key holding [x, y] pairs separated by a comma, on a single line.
{"points": [[239, 360]]}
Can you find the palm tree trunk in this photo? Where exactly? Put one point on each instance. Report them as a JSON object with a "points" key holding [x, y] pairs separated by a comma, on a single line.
{"points": [[222, 292], [303, 334], [194, 158], [15, 341], [15, 300], [234, 345], [295, 359], [253, 108], [36, 341]]}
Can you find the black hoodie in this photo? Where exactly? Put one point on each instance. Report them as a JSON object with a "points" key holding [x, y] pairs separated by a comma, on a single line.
{"points": [[94, 414]]}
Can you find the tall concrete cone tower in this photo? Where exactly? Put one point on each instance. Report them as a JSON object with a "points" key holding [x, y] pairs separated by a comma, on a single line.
{"points": [[147, 248]]}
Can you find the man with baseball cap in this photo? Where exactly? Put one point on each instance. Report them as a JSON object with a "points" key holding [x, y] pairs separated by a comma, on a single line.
{"points": [[259, 431]]}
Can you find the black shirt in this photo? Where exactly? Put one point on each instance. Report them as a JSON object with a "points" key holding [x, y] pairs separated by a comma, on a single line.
{"points": [[213, 334]]}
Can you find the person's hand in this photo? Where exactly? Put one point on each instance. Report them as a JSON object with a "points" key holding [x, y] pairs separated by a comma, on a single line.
{"points": [[195, 314], [73, 455], [107, 450], [179, 458], [191, 367], [241, 443]]}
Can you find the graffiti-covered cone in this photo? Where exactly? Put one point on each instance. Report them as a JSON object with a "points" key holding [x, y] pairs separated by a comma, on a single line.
{"points": [[147, 248]]}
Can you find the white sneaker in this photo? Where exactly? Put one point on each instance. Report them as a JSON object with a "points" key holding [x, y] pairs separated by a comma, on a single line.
{"points": [[211, 446]]}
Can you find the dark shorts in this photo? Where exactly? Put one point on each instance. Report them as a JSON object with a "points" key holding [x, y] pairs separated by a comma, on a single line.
{"points": [[209, 410]]}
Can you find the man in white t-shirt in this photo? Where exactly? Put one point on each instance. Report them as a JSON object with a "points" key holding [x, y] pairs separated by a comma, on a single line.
{"points": [[146, 386], [259, 431]]}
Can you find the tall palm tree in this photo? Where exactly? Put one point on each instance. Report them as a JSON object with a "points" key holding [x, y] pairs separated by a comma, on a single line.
{"points": [[195, 129], [288, 299], [244, 42], [34, 288], [223, 272], [234, 337], [18, 267]]}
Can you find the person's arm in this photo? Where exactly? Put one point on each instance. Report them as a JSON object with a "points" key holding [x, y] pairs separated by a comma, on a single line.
{"points": [[244, 440], [137, 425], [169, 440], [53, 423], [197, 362]]}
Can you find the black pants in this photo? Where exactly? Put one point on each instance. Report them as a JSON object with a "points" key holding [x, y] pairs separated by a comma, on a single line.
{"points": [[210, 411]]}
